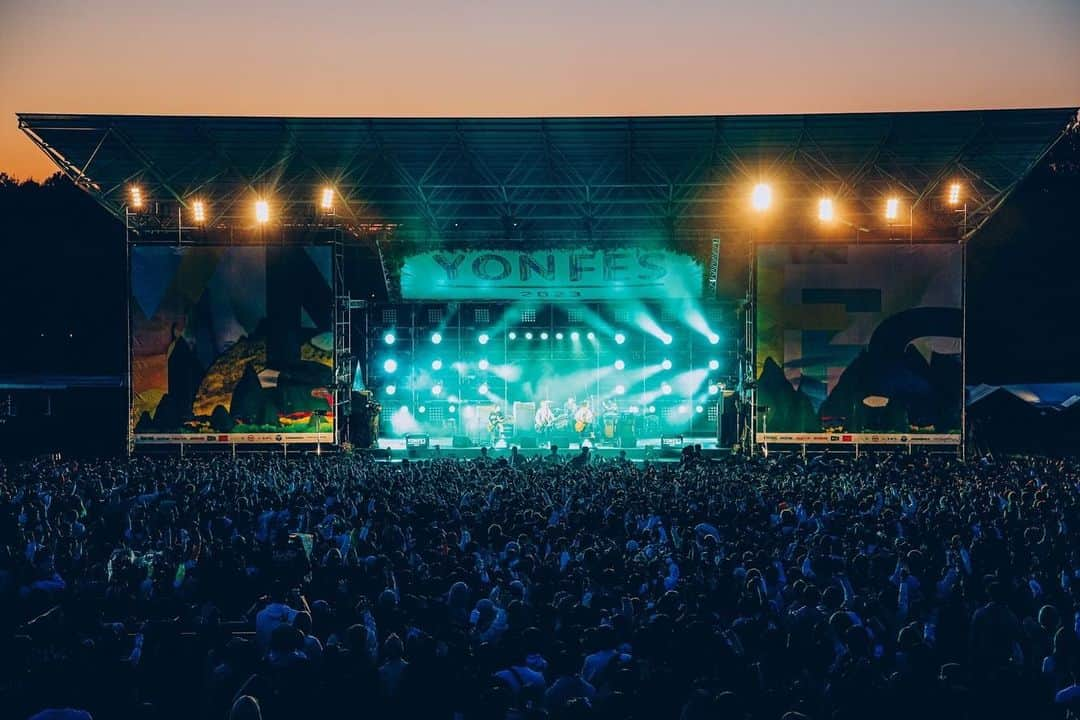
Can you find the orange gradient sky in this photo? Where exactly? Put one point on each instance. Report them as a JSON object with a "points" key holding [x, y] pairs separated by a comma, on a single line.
{"points": [[599, 57]]}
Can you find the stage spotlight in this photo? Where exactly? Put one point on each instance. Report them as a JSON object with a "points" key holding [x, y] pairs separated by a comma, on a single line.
{"points": [[892, 208], [436, 364], [591, 336], [575, 336], [262, 212], [954, 193], [714, 339], [713, 389], [198, 211], [436, 338], [651, 409], [452, 409], [558, 336], [390, 365], [421, 409], [483, 339], [135, 193], [665, 388], [528, 336], [436, 389], [389, 338], [483, 364], [327, 200], [619, 365], [619, 338], [543, 336], [714, 364], [483, 388], [512, 335], [666, 339], [391, 389], [699, 409], [761, 197], [825, 210], [666, 364], [620, 389]]}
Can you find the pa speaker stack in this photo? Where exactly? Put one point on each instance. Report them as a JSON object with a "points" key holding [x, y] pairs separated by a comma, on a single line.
{"points": [[727, 421]]}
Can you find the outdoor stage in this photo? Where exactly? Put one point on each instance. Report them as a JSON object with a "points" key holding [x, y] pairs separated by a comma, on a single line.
{"points": [[462, 277]]}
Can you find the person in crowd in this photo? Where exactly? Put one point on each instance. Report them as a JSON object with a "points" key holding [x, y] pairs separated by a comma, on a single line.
{"points": [[830, 587]]}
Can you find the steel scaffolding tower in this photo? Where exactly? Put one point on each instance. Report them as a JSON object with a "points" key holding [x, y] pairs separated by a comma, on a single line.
{"points": [[343, 356]]}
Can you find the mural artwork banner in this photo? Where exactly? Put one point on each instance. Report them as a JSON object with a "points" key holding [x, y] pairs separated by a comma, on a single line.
{"points": [[859, 343], [231, 344], [564, 274]]}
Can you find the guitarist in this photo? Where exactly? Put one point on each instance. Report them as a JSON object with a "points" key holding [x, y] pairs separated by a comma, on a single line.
{"points": [[583, 420], [496, 421]]}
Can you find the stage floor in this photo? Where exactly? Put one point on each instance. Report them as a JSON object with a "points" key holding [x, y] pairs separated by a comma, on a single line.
{"points": [[446, 443], [652, 449]]}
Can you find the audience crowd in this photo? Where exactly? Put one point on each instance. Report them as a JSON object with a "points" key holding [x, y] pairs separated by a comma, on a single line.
{"points": [[900, 586]]}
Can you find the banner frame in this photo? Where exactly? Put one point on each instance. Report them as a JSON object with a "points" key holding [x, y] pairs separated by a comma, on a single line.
{"points": [[761, 438], [135, 441]]}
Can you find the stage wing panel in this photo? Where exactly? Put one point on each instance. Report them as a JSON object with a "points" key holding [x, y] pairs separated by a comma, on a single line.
{"points": [[859, 342], [231, 344]]}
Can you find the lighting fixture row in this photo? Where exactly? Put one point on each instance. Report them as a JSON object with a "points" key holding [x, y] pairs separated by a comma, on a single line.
{"points": [[761, 200]]}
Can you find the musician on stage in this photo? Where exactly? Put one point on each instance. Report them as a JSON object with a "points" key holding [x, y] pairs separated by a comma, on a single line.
{"points": [[609, 417], [583, 420], [496, 421], [544, 419]]}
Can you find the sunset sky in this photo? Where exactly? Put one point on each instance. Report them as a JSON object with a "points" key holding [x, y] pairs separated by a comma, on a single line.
{"points": [[554, 57]]}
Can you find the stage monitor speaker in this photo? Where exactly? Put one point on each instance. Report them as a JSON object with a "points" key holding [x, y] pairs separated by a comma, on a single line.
{"points": [[527, 442], [461, 441]]}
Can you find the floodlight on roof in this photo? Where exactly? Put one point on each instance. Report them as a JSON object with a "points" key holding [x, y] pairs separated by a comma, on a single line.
{"points": [[826, 211], [761, 197], [892, 208]]}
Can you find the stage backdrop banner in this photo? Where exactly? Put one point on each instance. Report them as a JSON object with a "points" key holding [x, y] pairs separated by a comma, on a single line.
{"points": [[231, 344], [564, 274], [859, 343]]}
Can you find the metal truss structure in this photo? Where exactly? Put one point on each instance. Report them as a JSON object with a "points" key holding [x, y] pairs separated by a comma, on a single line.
{"points": [[344, 363], [598, 178]]}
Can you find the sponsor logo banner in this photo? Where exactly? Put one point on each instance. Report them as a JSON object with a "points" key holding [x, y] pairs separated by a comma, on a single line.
{"points": [[860, 438], [567, 274], [237, 439]]}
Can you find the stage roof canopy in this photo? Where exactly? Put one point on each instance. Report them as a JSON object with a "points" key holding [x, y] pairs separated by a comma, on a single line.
{"points": [[437, 179]]}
